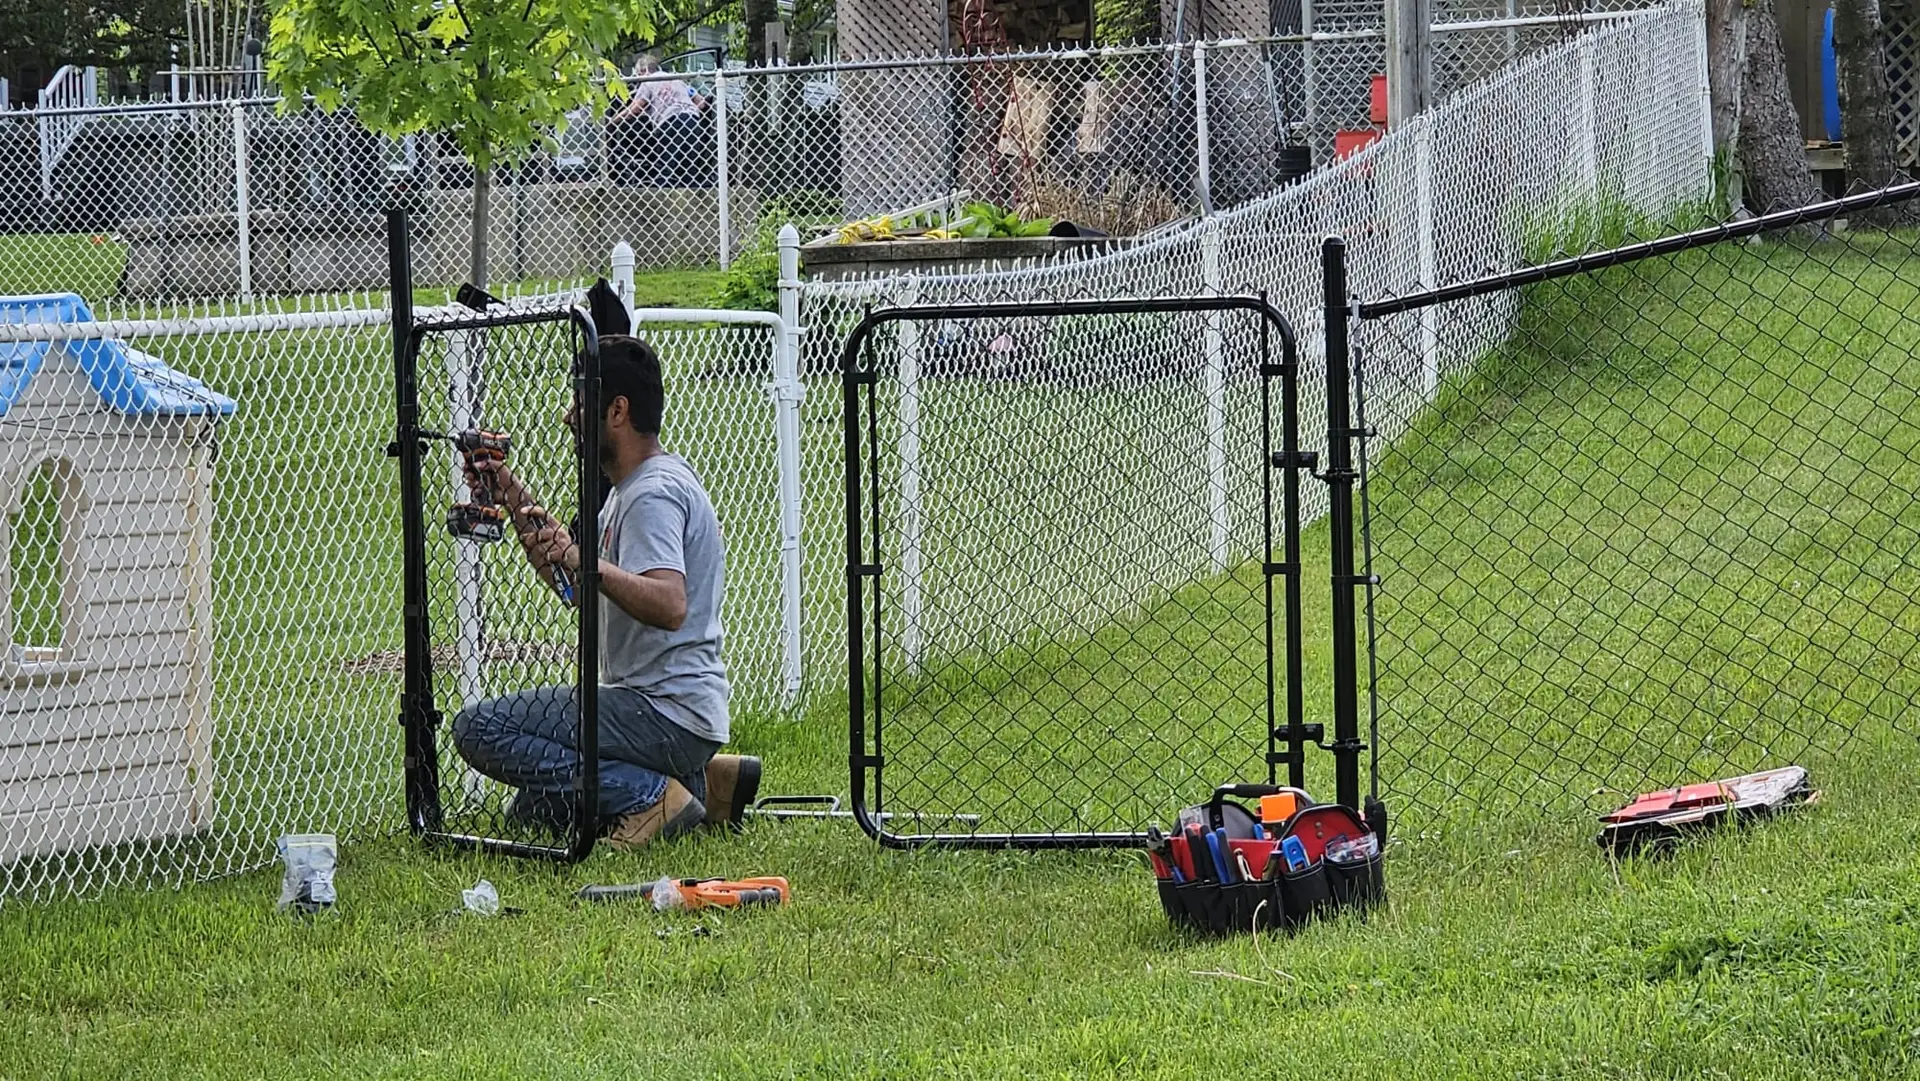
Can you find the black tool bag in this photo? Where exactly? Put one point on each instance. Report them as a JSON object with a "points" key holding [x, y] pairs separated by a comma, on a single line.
{"points": [[1223, 870]]}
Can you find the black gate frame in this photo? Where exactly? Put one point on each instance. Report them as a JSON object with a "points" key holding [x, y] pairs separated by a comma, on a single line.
{"points": [[420, 720], [1290, 461]]}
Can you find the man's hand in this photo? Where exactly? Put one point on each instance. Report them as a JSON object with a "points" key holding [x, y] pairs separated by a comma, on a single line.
{"points": [[547, 543], [512, 493]]}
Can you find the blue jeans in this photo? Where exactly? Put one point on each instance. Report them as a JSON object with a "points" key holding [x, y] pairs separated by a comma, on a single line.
{"points": [[529, 740]]}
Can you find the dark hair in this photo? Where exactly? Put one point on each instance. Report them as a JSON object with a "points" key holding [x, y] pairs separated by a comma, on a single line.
{"points": [[630, 369]]}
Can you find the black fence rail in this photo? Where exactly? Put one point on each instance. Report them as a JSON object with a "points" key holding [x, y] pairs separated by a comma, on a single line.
{"points": [[1646, 516], [501, 687], [1066, 614]]}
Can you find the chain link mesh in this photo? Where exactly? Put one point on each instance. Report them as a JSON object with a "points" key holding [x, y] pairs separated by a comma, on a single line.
{"points": [[506, 650], [302, 730], [137, 206], [1462, 192], [197, 604], [1661, 531]]}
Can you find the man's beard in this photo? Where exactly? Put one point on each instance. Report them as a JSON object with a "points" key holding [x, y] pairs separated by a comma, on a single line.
{"points": [[606, 448]]}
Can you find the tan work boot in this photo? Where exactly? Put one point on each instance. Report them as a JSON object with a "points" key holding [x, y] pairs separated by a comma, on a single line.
{"points": [[733, 783], [675, 814]]}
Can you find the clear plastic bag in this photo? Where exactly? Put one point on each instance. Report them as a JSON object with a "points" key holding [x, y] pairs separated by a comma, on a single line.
{"points": [[666, 895], [307, 885], [482, 899]]}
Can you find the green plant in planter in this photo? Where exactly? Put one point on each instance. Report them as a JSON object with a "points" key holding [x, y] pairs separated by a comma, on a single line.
{"points": [[752, 281], [982, 221]]}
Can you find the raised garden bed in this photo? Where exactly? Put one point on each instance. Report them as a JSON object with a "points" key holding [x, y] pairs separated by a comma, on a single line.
{"points": [[827, 260]]}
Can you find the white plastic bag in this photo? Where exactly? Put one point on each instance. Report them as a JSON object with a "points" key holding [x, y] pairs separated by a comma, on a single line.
{"points": [[666, 895], [482, 899], [307, 885]]}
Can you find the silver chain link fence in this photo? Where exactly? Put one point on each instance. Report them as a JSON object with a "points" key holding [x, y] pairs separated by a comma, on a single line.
{"points": [[202, 556]]}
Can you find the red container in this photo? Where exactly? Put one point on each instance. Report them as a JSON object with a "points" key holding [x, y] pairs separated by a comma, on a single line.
{"points": [[1377, 106], [1348, 143]]}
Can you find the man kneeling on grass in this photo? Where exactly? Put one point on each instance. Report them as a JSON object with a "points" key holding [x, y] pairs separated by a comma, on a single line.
{"points": [[663, 696]]}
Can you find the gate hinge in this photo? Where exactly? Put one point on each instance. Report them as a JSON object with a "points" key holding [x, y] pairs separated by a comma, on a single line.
{"points": [[1345, 746], [1356, 579], [1274, 371], [428, 719], [1277, 570], [871, 761], [1306, 733], [867, 570], [1303, 459], [862, 379]]}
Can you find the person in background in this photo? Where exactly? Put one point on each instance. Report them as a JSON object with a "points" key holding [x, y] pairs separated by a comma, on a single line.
{"points": [[673, 109]]}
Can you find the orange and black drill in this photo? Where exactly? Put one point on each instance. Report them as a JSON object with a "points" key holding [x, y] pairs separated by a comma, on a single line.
{"points": [[481, 520]]}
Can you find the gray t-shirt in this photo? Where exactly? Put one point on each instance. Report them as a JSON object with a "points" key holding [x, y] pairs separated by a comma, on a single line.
{"points": [[659, 518]]}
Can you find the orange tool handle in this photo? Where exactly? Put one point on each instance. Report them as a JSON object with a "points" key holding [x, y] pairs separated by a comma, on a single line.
{"points": [[717, 893]]}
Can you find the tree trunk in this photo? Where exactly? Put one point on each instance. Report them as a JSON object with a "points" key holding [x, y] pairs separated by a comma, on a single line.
{"points": [[753, 141], [758, 13], [482, 224], [1726, 45], [1866, 109], [1726, 64], [1772, 151]]}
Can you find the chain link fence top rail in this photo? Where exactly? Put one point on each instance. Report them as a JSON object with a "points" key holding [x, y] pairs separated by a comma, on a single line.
{"points": [[140, 206], [1664, 531]]}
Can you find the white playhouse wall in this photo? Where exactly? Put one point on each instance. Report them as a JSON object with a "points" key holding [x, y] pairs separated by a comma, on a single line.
{"points": [[110, 740]]}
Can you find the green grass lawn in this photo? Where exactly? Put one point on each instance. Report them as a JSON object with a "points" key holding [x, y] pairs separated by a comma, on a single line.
{"points": [[1514, 951], [1643, 442], [90, 264]]}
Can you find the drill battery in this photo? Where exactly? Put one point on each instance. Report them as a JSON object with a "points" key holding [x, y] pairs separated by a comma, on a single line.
{"points": [[470, 521]]}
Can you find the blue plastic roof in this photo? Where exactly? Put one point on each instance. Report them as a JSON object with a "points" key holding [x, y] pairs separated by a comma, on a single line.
{"points": [[129, 381]]}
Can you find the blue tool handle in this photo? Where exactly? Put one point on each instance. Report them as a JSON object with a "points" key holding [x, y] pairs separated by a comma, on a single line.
{"points": [[1296, 854], [1214, 846], [563, 581]]}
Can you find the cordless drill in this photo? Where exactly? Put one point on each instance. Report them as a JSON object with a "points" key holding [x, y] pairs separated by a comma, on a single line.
{"points": [[481, 520]]}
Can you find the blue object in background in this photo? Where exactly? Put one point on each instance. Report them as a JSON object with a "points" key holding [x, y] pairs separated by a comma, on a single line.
{"points": [[1829, 82]]}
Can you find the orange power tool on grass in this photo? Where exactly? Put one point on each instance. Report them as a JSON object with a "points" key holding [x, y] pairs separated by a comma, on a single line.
{"points": [[696, 893]]}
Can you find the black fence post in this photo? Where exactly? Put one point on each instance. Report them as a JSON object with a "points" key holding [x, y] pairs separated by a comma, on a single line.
{"points": [[418, 720], [1340, 477], [586, 390]]}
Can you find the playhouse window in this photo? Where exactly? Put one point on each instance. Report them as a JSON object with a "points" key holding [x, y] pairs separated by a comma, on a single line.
{"points": [[37, 557]]}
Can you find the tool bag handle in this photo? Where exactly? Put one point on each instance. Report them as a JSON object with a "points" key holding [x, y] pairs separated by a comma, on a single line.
{"points": [[1213, 814], [1255, 791]]}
